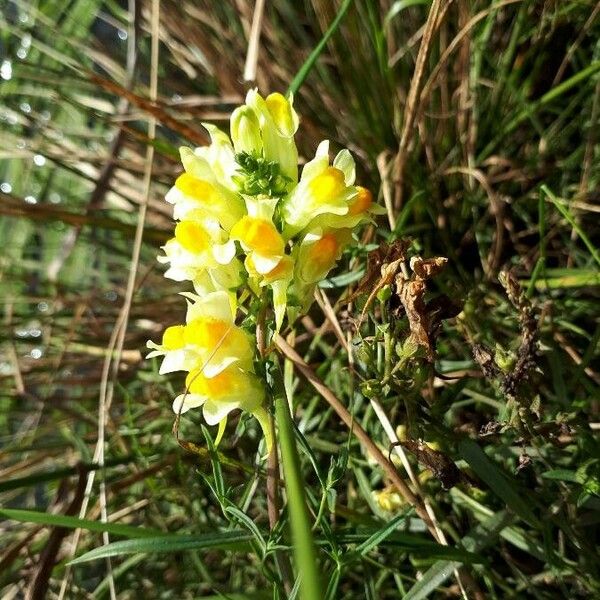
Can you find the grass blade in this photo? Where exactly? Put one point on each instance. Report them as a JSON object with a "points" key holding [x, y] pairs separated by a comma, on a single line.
{"points": [[309, 63], [34, 516], [488, 472], [170, 543]]}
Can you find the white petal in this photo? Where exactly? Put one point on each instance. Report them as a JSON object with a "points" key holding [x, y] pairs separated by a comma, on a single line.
{"points": [[345, 163], [184, 402], [214, 411], [313, 236], [177, 274], [224, 253], [214, 368], [215, 305], [195, 164], [265, 264], [174, 195], [174, 360], [323, 149]]}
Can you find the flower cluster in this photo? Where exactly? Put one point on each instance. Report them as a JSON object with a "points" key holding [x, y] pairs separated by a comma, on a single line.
{"points": [[244, 220], [218, 357]]}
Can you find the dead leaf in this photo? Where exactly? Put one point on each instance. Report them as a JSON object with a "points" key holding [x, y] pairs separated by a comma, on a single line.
{"points": [[412, 297], [426, 268], [411, 292], [442, 467], [382, 265]]}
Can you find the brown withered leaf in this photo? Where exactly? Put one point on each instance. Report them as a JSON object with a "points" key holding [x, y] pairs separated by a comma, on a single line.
{"points": [[426, 268], [382, 264], [442, 467], [411, 292]]}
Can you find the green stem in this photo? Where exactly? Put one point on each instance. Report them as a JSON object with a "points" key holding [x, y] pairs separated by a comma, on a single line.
{"points": [[305, 554]]}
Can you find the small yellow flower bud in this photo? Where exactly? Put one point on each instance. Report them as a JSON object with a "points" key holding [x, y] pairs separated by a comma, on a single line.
{"points": [[245, 131]]}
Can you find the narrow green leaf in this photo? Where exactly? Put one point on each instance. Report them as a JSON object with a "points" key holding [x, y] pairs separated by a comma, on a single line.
{"points": [[562, 475], [400, 5], [566, 213], [415, 545], [54, 474], [305, 553], [34, 516], [380, 535], [431, 580], [488, 472], [314, 55], [169, 543]]}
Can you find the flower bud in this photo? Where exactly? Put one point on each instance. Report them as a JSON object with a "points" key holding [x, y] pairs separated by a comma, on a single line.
{"points": [[245, 131]]}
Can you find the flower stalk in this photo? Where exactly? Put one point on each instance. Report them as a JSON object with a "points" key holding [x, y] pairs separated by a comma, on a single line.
{"points": [[305, 554]]}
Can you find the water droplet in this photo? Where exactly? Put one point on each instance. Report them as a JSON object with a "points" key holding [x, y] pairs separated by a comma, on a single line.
{"points": [[5, 187], [35, 332], [25, 107], [21, 144], [26, 41], [6, 70], [39, 160], [45, 115], [111, 295], [22, 53], [36, 353], [176, 98], [6, 368], [55, 198], [30, 200], [24, 17], [42, 306], [122, 34], [12, 120]]}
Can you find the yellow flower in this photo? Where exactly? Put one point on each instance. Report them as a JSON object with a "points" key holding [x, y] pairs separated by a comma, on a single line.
{"points": [[197, 198], [176, 358], [261, 240], [215, 162], [200, 252], [245, 189], [230, 389], [326, 196], [388, 500], [245, 130], [315, 256], [323, 189], [318, 252], [211, 332]]}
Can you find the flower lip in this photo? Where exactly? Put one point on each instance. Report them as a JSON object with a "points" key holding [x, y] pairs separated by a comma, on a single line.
{"points": [[327, 186], [192, 236], [362, 201], [258, 235]]}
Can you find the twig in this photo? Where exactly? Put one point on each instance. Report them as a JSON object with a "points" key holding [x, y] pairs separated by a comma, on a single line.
{"points": [[411, 102], [118, 335], [252, 55]]}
